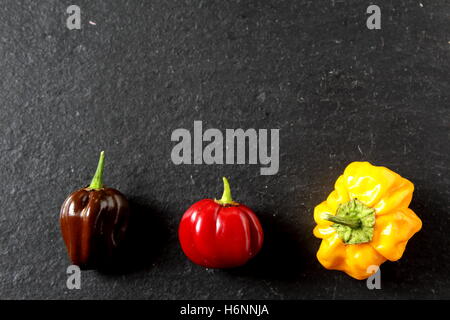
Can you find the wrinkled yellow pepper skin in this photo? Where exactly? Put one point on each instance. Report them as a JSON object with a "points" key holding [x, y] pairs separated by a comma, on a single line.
{"points": [[378, 188]]}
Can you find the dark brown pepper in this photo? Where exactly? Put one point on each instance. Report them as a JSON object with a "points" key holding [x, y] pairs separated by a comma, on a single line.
{"points": [[93, 225], [94, 222]]}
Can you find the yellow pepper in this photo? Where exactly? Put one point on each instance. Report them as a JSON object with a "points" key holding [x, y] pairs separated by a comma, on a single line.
{"points": [[365, 220]]}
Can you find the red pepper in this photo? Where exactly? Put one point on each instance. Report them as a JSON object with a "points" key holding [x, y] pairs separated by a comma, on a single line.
{"points": [[220, 233]]}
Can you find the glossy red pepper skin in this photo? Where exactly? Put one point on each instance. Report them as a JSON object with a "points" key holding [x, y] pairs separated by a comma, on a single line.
{"points": [[216, 235], [93, 225]]}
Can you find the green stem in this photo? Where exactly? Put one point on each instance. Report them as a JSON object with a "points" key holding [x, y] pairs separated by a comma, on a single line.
{"points": [[226, 197], [97, 181], [349, 222]]}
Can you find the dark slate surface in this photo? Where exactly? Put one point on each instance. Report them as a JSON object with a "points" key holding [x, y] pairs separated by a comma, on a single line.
{"points": [[337, 91]]}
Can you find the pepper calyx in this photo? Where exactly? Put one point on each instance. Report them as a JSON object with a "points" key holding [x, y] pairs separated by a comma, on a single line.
{"points": [[226, 199], [97, 180], [354, 222]]}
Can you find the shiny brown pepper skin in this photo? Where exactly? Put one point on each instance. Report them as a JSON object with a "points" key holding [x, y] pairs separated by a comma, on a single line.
{"points": [[93, 225]]}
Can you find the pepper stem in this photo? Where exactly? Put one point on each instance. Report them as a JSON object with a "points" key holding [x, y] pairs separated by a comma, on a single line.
{"points": [[97, 180], [226, 197], [353, 223]]}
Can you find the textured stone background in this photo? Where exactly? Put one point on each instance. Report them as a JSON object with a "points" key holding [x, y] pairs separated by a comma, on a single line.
{"points": [[337, 91]]}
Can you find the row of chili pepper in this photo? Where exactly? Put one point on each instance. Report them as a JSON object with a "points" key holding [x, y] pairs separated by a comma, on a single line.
{"points": [[363, 222]]}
